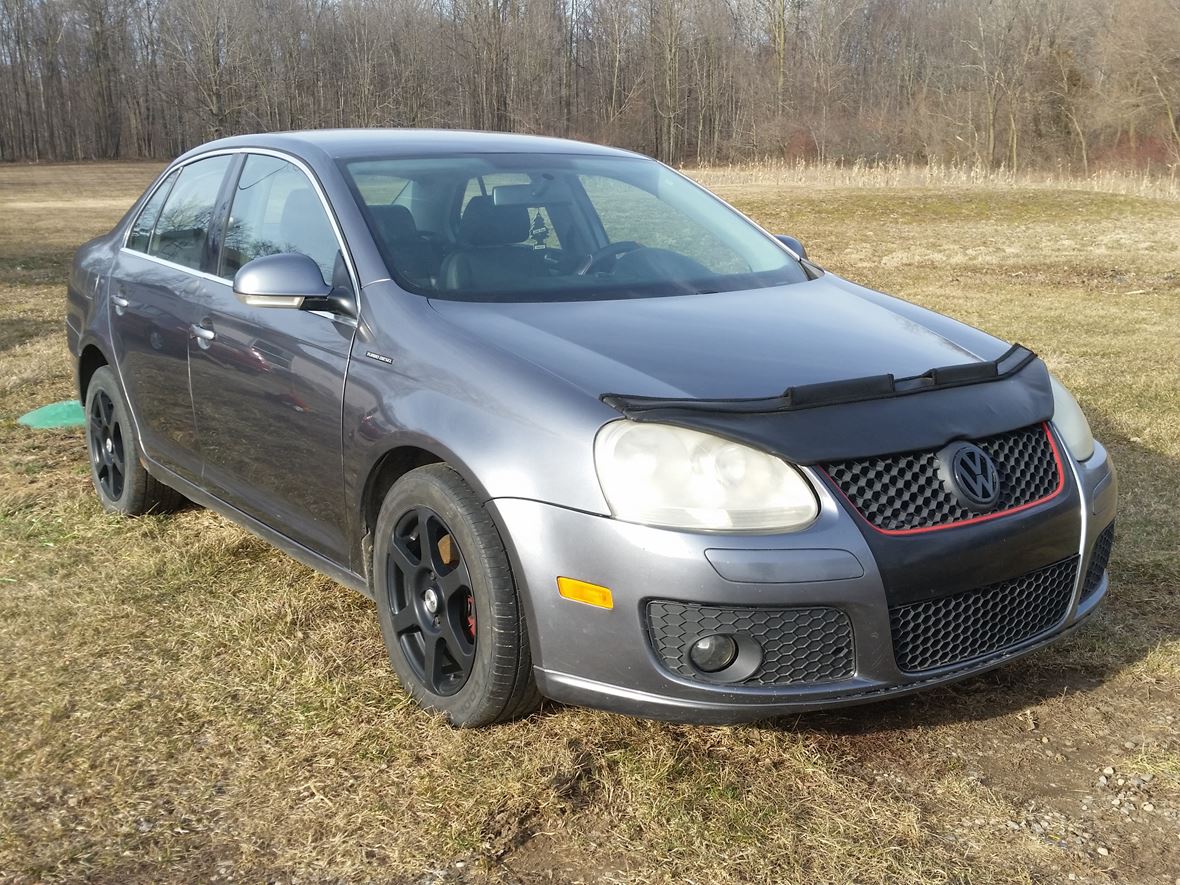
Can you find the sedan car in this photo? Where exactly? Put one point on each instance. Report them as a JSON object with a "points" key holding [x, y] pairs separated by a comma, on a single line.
{"points": [[581, 429]]}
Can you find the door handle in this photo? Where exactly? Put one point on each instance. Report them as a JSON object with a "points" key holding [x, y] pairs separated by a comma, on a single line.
{"points": [[203, 335], [121, 303]]}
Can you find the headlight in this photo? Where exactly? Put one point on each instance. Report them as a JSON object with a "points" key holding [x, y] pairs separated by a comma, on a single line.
{"points": [[661, 475], [1071, 423]]}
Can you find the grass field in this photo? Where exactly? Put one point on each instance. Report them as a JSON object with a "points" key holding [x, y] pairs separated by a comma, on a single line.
{"points": [[180, 702]]}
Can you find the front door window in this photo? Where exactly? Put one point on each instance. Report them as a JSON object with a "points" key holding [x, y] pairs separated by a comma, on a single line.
{"points": [[276, 209]]}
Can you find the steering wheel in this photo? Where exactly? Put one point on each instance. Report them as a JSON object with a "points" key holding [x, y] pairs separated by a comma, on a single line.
{"points": [[611, 250]]}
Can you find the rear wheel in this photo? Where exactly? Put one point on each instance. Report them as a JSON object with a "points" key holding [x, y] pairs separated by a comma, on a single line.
{"points": [[447, 603], [123, 484]]}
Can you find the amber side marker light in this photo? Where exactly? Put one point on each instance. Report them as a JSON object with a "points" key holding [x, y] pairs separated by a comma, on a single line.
{"points": [[582, 591]]}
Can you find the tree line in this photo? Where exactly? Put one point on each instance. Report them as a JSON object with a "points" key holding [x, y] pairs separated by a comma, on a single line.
{"points": [[996, 83]]}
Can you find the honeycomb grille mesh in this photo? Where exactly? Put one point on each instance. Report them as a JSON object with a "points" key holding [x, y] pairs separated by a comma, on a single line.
{"points": [[799, 645], [952, 629], [898, 492], [1099, 560]]}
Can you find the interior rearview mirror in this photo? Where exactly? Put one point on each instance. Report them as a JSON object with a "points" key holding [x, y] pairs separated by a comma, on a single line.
{"points": [[793, 244], [290, 280], [544, 192]]}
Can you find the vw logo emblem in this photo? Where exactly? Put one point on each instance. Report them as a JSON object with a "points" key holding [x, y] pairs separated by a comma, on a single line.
{"points": [[974, 477]]}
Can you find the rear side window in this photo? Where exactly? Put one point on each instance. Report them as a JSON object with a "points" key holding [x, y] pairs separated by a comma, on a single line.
{"points": [[141, 230], [183, 228], [276, 209]]}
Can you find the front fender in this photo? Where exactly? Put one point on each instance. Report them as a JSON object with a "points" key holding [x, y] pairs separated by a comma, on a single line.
{"points": [[511, 429]]}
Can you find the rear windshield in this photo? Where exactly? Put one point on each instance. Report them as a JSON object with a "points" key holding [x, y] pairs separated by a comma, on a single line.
{"points": [[558, 227]]}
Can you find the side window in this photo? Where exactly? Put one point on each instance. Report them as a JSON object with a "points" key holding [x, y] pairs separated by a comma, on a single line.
{"points": [[145, 223], [183, 228], [630, 213], [276, 209]]}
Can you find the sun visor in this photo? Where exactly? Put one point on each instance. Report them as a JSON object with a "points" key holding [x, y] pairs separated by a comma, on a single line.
{"points": [[866, 417]]}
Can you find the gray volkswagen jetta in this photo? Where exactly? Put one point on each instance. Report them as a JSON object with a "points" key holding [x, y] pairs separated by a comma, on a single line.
{"points": [[581, 429]]}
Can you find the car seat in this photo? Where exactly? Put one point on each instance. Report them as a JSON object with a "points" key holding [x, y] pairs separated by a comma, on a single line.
{"points": [[491, 252]]}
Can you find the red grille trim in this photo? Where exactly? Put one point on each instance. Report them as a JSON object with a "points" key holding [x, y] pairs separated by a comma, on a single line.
{"points": [[975, 519]]}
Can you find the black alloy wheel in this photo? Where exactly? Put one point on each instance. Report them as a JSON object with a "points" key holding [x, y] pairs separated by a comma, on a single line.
{"points": [[120, 479], [107, 449], [452, 621], [430, 597]]}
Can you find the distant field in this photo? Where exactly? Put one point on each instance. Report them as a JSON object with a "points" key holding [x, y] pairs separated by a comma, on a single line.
{"points": [[180, 702]]}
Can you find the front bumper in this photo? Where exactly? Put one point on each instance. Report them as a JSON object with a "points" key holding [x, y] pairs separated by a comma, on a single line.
{"points": [[605, 658]]}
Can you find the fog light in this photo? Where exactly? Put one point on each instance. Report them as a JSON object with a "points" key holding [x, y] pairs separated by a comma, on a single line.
{"points": [[711, 654]]}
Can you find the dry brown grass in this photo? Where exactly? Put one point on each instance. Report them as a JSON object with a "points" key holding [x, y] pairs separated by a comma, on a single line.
{"points": [[180, 702], [777, 172]]}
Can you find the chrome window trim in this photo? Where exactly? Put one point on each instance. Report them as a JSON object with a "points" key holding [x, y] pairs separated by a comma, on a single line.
{"points": [[175, 166], [1084, 505], [269, 152], [174, 266]]}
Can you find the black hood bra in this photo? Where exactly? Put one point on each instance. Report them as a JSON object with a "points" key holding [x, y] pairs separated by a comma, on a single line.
{"points": [[869, 416]]}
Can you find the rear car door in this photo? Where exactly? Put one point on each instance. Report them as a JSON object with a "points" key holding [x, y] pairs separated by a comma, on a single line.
{"points": [[268, 383], [153, 290]]}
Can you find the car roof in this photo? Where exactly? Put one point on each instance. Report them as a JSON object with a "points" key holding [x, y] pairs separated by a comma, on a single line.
{"points": [[352, 143]]}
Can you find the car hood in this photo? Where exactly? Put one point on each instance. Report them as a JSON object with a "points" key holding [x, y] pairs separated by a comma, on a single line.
{"points": [[731, 344]]}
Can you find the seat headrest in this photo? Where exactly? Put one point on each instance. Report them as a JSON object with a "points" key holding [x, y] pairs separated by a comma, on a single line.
{"points": [[303, 224], [486, 224], [394, 222], [301, 210]]}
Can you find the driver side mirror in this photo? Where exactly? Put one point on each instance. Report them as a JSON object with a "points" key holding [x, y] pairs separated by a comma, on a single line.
{"points": [[290, 280], [793, 244]]}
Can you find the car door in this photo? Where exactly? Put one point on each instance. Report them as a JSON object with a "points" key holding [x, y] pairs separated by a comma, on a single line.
{"points": [[153, 290], [268, 383]]}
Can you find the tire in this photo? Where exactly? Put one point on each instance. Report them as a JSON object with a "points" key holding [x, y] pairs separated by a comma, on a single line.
{"points": [[450, 615], [123, 484]]}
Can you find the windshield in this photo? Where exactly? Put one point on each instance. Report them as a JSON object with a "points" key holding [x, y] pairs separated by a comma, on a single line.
{"points": [[558, 227]]}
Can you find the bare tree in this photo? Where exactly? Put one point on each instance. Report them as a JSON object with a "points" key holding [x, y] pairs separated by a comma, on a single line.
{"points": [[999, 82]]}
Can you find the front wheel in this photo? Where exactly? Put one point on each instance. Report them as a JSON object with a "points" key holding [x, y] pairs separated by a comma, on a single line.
{"points": [[123, 484], [449, 612]]}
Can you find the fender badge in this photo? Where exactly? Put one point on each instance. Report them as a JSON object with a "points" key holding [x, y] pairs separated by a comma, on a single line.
{"points": [[379, 357]]}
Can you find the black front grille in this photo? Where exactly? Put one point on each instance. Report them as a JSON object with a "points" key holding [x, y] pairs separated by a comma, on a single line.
{"points": [[898, 492], [1099, 560], [799, 645], [976, 623]]}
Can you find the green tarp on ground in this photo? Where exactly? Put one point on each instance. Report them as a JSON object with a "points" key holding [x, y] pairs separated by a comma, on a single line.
{"points": [[64, 414]]}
